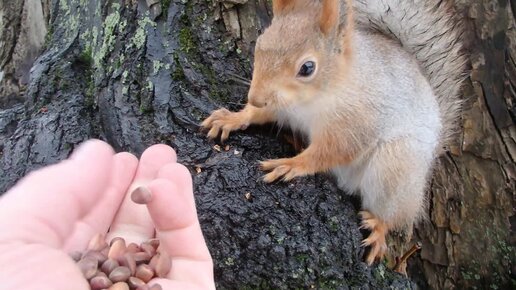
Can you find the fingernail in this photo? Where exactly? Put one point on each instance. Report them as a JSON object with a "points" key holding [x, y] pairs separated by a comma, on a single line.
{"points": [[141, 195]]}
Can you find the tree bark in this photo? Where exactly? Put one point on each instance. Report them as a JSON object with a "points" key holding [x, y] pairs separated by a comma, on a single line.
{"points": [[468, 240], [135, 73]]}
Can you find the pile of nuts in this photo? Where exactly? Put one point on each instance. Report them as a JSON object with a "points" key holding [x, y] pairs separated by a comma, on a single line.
{"points": [[122, 267]]}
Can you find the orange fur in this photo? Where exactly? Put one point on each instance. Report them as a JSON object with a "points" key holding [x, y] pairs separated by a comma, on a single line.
{"points": [[279, 6], [347, 38], [376, 239], [329, 16], [324, 153]]}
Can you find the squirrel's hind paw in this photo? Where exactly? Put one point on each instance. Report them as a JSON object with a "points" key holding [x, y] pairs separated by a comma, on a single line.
{"points": [[376, 239]]}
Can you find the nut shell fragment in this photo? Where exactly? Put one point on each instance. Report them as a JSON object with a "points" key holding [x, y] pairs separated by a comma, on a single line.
{"points": [[128, 261], [109, 265], [144, 272], [120, 274], [135, 282], [117, 249], [100, 282], [163, 265], [88, 267], [119, 286]]}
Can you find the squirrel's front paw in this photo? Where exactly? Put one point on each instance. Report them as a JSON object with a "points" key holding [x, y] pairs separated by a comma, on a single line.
{"points": [[288, 168], [224, 121]]}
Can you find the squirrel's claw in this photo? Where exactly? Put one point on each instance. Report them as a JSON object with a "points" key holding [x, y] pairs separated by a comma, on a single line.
{"points": [[224, 121], [376, 239], [285, 168]]}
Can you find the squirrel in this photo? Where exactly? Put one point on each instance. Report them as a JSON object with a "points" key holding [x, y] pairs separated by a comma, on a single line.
{"points": [[374, 87]]}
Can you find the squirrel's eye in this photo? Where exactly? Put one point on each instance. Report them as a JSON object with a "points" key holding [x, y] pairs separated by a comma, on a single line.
{"points": [[307, 69]]}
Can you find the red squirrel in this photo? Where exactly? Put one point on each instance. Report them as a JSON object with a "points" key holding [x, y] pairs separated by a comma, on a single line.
{"points": [[374, 87]]}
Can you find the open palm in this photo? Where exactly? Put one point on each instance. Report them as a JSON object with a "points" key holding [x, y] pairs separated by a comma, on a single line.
{"points": [[58, 209]]}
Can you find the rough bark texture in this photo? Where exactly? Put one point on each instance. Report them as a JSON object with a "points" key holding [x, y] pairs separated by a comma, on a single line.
{"points": [[136, 75], [468, 240]]}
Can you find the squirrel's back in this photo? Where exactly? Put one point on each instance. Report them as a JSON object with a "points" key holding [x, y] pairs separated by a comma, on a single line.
{"points": [[430, 32]]}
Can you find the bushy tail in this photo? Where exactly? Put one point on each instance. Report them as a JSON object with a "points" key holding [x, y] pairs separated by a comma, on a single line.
{"points": [[428, 30]]}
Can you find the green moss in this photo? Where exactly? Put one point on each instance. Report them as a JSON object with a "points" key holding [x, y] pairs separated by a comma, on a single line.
{"points": [[165, 4], [95, 35], [189, 46], [145, 106], [229, 261], [63, 5], [90, 90], [86, 35], [109, 27], [156, 66], [197, 114], [89, 99], [139, 38], [328, 285], [301, 258], [178, 73], [85, 60], [123, 25], [334, 224], [150, 86], [49, 36], [86, 56], [186, 42], [73, 24]]}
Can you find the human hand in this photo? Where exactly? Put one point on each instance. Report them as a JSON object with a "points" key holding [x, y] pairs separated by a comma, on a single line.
{"points": [[58, 209]]}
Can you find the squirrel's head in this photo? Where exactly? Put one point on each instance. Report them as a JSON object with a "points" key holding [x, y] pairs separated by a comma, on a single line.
{"points": [[304, 50]]}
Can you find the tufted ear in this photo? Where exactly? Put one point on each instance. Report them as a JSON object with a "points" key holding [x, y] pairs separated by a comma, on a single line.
{"points": [[279, 6], [329, 16]]}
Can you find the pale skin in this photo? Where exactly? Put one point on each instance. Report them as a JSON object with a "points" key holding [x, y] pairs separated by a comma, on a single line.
{"points": [[58, 209]]}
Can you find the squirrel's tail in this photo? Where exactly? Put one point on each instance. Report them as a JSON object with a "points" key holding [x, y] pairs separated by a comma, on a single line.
{"points": [[429, 31]]}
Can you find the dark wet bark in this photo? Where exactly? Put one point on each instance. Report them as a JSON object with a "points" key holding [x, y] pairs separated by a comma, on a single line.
{"points": [[109, 71]]}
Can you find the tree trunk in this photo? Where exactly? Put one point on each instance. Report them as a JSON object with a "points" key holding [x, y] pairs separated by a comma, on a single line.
{"points": [[468, 240], [135, 73]]}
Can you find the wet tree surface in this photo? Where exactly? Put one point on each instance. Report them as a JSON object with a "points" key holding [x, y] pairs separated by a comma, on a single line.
{"points": [[135, 75]]}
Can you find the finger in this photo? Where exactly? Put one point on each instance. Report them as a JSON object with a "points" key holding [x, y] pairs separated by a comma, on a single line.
{"points": [[133, 221], [176, 221], [99, 219], [45, 205], [172, 208], [167, 284]]}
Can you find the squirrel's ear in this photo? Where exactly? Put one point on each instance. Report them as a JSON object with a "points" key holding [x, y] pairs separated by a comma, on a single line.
{"points": [[329, 16], [278, 6]]}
